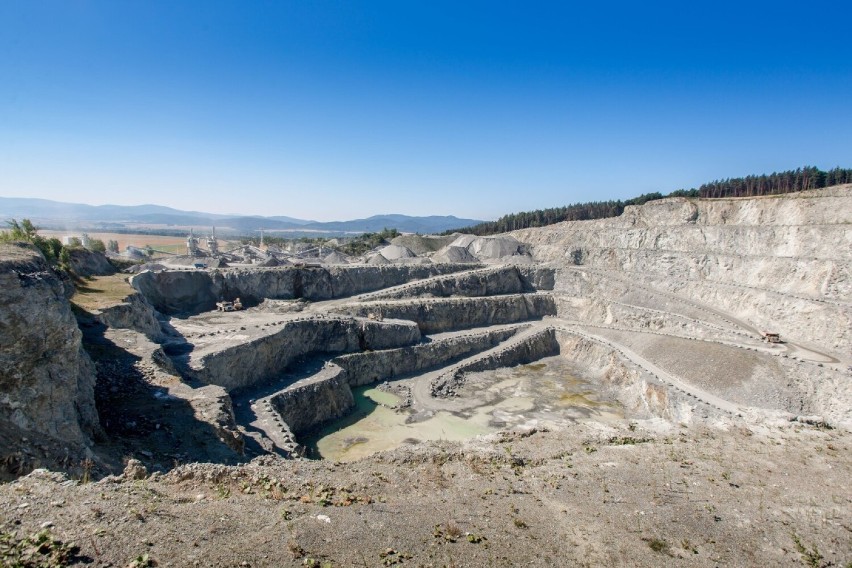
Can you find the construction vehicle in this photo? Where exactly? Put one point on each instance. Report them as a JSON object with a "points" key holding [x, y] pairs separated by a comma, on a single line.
{"points": [[771, 337], [234, 306]]}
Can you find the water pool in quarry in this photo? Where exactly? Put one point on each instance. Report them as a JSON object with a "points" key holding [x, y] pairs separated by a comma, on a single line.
{"points": [[548, 393]]}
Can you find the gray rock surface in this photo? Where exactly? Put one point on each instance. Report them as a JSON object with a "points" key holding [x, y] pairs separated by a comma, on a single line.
{"points": [[46, 379], [250, 361], [133, 313], [781, 262], [370, 367], [322, 398], [445, 314], [193, 291], [488, 282], [536, 345], [89, 263]]}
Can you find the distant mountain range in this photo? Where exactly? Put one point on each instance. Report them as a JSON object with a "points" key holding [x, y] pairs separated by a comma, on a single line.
{"points": [[56, 214]]}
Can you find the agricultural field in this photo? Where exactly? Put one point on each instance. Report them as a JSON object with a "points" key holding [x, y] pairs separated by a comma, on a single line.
{"points": [[164, 243]]}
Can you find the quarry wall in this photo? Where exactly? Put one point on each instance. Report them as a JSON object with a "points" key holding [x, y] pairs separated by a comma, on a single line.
{"points": [[247, 363], [631, 385], [781, 262], [494, 281], [133, 313], [445, 314], [531, 348], [46, 378], [369, 367], [306, 406], [327, 396], [193, 291]]}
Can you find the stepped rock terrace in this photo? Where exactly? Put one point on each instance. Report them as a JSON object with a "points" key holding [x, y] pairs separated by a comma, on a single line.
{"points": [[603, 299], [563, 401]]}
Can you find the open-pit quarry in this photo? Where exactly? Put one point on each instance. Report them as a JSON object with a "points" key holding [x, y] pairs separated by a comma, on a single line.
{"points": [[593, 393]]}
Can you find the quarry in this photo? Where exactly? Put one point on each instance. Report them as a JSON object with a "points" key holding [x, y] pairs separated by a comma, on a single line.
{"points": [[670, 386]]}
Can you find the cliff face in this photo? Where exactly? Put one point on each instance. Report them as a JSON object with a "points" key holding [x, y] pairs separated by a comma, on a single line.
{"points": [[781, 262], [323, 398], [88, 263], [248, 363], [173, 292], [488, 282], [133, 313], [46, 379], [446, 314]]}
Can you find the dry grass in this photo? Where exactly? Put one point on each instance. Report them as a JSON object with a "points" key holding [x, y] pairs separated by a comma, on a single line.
{"points": [[99, 292], [166, 243]]}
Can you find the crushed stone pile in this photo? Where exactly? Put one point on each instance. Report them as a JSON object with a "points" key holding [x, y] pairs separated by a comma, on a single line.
{"points": [[396, 252], [184, 260], [378, 259], [152, 266], [336, 258], [490, 248], [271, 261], [453, 254], [423, 244]]}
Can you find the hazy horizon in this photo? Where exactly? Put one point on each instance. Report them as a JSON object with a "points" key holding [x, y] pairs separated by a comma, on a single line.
{"points": [[342, 110]]}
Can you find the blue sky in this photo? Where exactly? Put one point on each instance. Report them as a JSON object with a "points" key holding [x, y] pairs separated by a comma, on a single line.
{"points": [[337, 110]]}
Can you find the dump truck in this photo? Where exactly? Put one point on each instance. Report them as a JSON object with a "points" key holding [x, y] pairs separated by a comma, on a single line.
{"points": [[771, 337], [234, 306]]}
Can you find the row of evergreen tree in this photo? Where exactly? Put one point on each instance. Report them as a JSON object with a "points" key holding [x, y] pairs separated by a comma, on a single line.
{"points": [[751, 186], [776, 183]]}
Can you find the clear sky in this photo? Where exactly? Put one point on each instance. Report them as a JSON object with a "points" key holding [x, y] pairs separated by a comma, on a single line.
{"points": [[337, 110]]}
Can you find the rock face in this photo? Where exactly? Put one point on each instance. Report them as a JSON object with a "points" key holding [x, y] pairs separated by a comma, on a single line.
{"points": [[196, 291], [371, 367], [328, 395], [631, 385], [781, 263], [88, 263], [46, 379], [133, 313], [445, 314], [249, 363], [532, 347], [323, 398], [489, 282], [213, 406]]}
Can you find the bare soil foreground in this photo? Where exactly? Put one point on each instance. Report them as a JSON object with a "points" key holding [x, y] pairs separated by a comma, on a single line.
{"points": [[594, 393], [726, 495]]}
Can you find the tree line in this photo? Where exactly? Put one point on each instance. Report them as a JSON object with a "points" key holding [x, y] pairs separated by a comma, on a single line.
{"points": [[775, 183], [52, 248], [750, 186], [352, 246]]}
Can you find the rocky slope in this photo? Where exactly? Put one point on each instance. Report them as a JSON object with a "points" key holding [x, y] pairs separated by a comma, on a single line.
{"points": [[46, 378]]}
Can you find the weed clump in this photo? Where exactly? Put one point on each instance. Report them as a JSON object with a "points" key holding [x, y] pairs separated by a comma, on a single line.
{"points": [[810, 556], [659, 545], [39, 550]]}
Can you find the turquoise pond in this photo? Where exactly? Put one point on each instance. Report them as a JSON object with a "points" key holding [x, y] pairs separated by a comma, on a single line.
{"points": [[547, 393]]}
